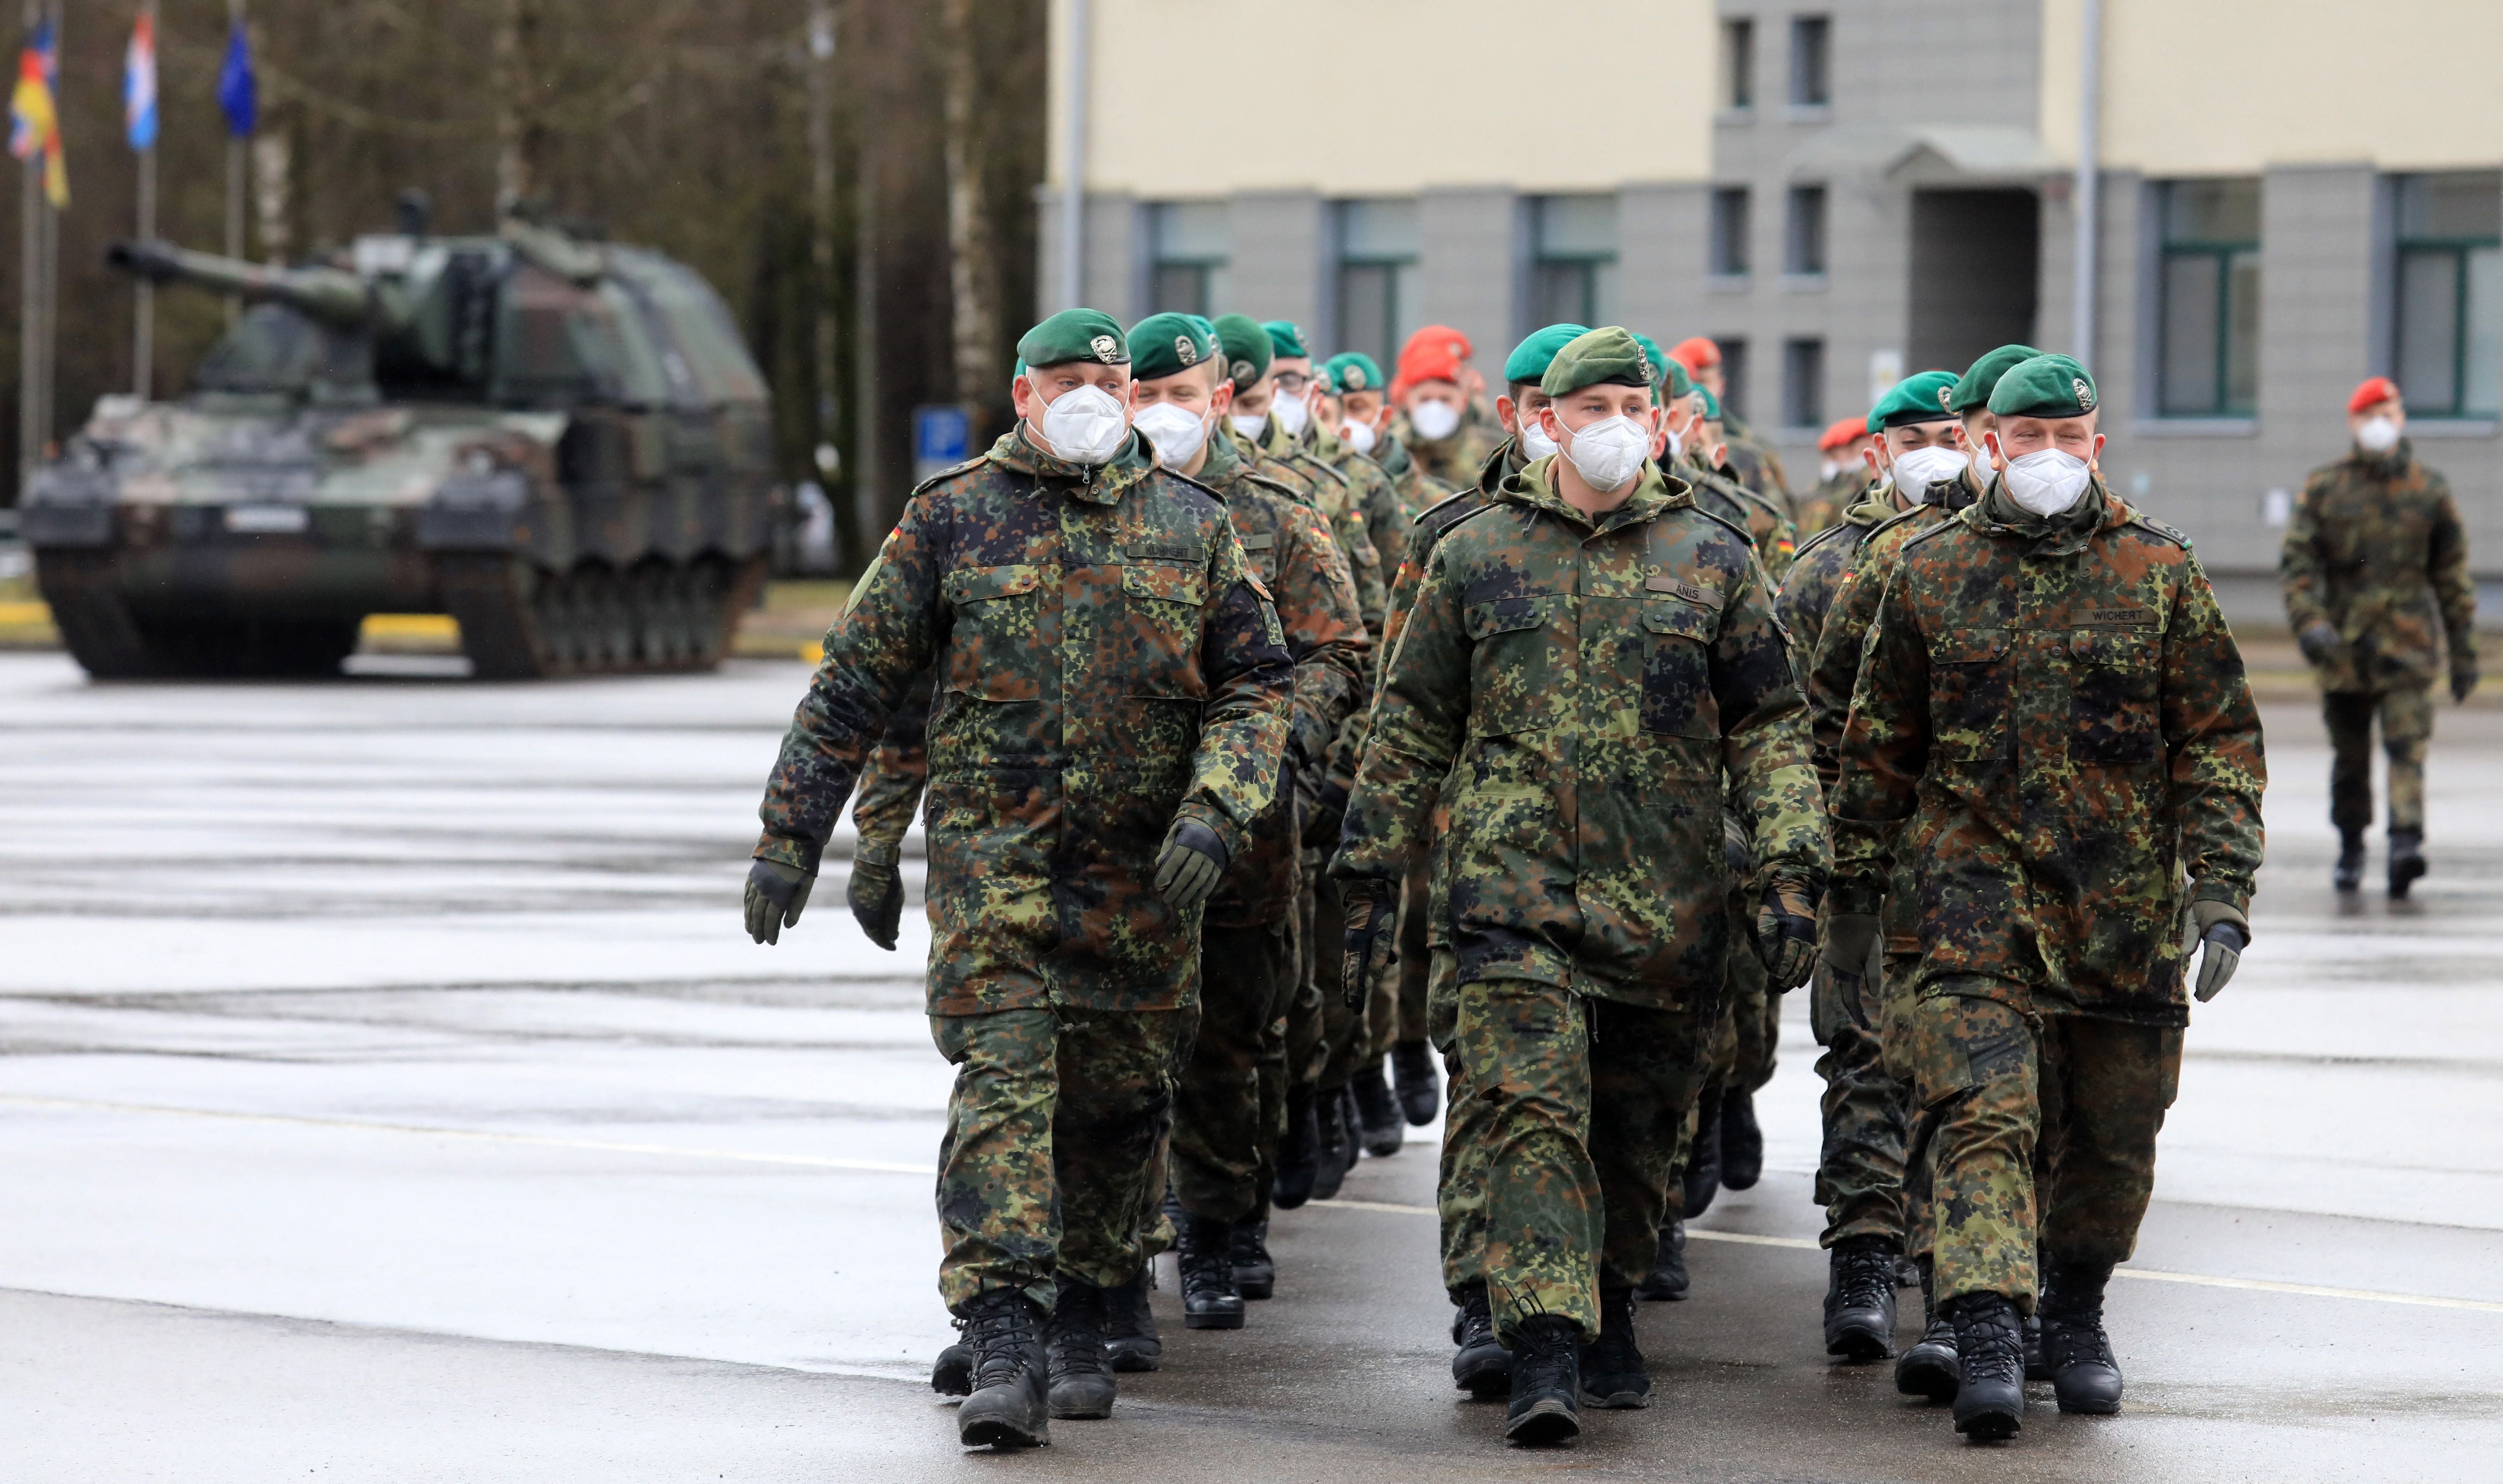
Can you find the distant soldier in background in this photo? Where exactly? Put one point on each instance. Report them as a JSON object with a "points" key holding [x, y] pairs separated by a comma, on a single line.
{"points": [[2373, 560], [1842, 475], [1443, 415], [1752, 460]]}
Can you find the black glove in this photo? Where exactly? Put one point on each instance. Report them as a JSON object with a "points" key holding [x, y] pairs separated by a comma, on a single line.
{"points": [[1786, 935], [2464, 680], [1328, 813], [876, 896], [1190, 865], [2319, 641], [1848, 938], [1372, 911], [775, 894]]}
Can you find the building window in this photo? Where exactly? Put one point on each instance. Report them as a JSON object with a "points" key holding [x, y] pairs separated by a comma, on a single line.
{"points": [[2449, 268], [1574, 278], [1803, 383], [1377, 276], [1189, 244], [1730, 229], [1803, 236], [1733, 374], [1811, 61], [1737, 65], [2210, 300]]}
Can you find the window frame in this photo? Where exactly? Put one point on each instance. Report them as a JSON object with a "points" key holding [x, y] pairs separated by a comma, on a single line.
{"points": [[1203, 266], [1738, 64], [1796, 240], [1727, 228], [2459, 248], [1587, 263], [1804, 394], [2223, 254], [1811, 66], [1346, 257]]}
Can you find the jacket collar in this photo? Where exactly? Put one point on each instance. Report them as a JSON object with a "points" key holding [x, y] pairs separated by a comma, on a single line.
{"points": [[2056, 535], [1533, 488], [1100, 484]]}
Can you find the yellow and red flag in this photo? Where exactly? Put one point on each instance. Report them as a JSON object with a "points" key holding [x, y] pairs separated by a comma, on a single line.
{"points": [[34, 123]]}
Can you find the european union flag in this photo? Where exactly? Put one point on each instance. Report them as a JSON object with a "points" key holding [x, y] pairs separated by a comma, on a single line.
{"points": [[237, 92]]}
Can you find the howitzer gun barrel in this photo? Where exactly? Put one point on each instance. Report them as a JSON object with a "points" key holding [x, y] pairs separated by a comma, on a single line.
{"points": [[331, 294]]}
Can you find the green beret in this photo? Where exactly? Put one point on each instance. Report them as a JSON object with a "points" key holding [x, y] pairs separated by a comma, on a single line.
{"points": [[1598, 357], [1246, 343], [2046, 386], [1658, 362], [1711, 404], [1529, 359], [1354, 372], [1921, 399], [1075, 335], [1286, 338], [1973, 387], [1680, 384], [1167, 343]]}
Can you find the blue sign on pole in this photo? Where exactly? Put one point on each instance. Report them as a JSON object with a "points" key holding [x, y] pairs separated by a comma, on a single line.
{"points": [[940, 435]]}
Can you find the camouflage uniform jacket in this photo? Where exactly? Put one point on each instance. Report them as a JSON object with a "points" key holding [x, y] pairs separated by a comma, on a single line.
{"points": [[889, 792], [1294, 557], [1409, 481], [2055, 716], [1818, 568], [1334, 494], [1776, 540], [1107, 661], [1753, 462], [2376, 548], [1822, 507], [1455, 461], [1586, 691]]}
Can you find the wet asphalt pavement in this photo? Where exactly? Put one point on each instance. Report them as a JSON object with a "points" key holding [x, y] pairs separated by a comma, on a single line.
{"points": [[389, 1092]]}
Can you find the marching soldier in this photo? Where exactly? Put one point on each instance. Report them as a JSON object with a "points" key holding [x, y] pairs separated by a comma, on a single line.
{"points": [[1752, 461], [2375, 559], [1442, 422], [2052, 722], [1111, 693]]}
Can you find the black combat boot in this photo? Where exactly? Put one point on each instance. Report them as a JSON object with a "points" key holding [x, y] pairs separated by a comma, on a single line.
{"points": [[1411, 1073], [1702, 1175], [1990, 1368], [952, 1373], [2348, 873], [2076, 1350], [1130, 1326], [1299, 1152], [1614, 1374], [1209, 1300], [1007, 1407], [1077, 1362], [1338, 1143], [1742, 1141], [1255, 1272], [2407, 861], [1480, 1366], [1859, 1299], [1546, 1383], [1928, 1368], [1377, 1113], [1668, 1279]]}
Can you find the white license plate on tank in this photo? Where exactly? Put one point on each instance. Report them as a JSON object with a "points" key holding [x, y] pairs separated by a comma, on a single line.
{"points": [[268, 520]]}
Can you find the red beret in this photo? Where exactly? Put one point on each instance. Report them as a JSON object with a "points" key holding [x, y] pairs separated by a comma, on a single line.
{"points": [[1840, 434], [1436, 353], [1695, 353], [2375, 391]]}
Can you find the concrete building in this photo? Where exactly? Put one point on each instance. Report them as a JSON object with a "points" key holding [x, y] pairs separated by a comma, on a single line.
{"points": [[2286, 198]]}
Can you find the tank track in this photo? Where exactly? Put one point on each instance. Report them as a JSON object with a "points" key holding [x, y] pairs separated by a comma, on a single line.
{"points": [[111, 642], [521, 622]]}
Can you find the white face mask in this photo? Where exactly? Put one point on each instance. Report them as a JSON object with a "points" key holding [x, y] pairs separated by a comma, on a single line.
{"points": [[1534, 442], [1916, 469], [1292, 414], [1609, 452], [1435, 421], [2378, 435], [1357, 435], [1676, 446], [1248, 425], [1827, 469], [2046, 482], [1084, 425], [1178, 434]]}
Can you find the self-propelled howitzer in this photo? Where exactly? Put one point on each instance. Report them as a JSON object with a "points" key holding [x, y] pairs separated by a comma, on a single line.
{"points": [[562, 443]]}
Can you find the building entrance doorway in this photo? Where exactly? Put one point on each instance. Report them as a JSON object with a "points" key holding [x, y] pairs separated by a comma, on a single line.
{"points": [[1976, 274]]}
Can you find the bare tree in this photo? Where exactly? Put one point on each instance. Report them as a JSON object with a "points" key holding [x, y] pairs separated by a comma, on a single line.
{"points": [[972, 276]]}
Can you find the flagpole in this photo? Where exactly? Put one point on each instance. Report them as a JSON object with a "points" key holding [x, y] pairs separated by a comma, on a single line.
{"points": [[238, 156], [143, 334], [30, 269], [50, 350]]}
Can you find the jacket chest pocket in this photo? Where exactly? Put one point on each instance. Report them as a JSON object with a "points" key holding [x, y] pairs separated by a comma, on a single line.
{"points": [[1155, 629], [1513, 675], [998, 623], [1968, 695], [1677, 698], [1261, 547], [2113, 696]]}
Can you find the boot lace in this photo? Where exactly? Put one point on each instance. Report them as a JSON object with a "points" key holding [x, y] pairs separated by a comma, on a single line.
{"points": [[1002, 1333], [1989, 1341], [1077, 1339], [1864, 1275], [1545, 1358], [1615, 1353]]}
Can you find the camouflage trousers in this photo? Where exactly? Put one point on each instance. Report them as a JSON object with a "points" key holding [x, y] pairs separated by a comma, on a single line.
{"points": [[1866, 1108], [1335, 1038], [2406, 725], [1401, 1014], [1057, 1127], [1460, 1181], [1992, 1082], [1569, 1123], [1749, 1032], [1231, 1104]]}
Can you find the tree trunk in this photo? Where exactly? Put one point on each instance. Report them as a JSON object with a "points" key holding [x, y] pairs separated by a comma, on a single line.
{"points": [[520, 135], [972, 275]]}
